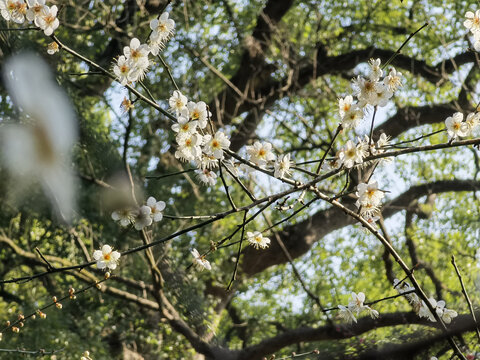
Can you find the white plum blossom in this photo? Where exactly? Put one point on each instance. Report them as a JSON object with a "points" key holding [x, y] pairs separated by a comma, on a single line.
{"points": [[381, 95], [13, 10], [36, 8], [162, 29], [355, 307], [257, 240], [333, 163], [352, 117], [156, 208], [369, 194], [439, 306], [455, 126], [472, 21], [376, 71], [381, 143], [106, 258], [137, 58], [371, 92], [143, 217], [137, 53], [356, 302], [177, 102], [282, 166], [364, 89], [448, 315], [40, 149], [198, 111], [346, 314], [350, 112], [189, 146], [425, 311], [472, 122], [200, 260], [372, 312], [48, 21], [124, 216], [214, 145], [393, 80], [260, 154], [123, 70], [345, 104], [183, 125], [206, 162], [352, 154], [207, 177], [476, 43]]}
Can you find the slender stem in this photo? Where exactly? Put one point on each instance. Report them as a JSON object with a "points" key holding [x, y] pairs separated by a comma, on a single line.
{"points": [[244, 188], [239, 253], [225, 186], [128, 130], [169, 73], [49, 266], [467, 298], [378, 300], [158, 177], [371, 130], [404, 43], [339, 128]]}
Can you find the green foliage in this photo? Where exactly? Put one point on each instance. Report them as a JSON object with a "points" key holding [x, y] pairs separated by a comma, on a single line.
{"points": [[303, 121]]}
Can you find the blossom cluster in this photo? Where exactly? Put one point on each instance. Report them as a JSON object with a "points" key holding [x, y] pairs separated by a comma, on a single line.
{"points": [[133, 64], [194, 140], [472, 23], [35, 11], [457, 127], [142, 216], [369, 199], [372, 90], [421, 308], [443, 313], [261, 154], [356, 306], [353, 154]]}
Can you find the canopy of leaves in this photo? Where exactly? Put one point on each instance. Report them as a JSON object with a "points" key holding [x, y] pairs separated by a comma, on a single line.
{"points": [[269, 70]]}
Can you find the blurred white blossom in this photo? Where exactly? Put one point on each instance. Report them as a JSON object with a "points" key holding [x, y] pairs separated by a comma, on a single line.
{"points": [[39, 147]]}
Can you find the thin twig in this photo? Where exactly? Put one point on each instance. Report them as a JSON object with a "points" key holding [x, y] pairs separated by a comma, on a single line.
{"points": [[339, 128], [370, 137], [158, 177], [404, 43], [239, 253], [239, 182], [377, 301], [225, 186], [169, 73], [49, 266], [467, 298]]}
